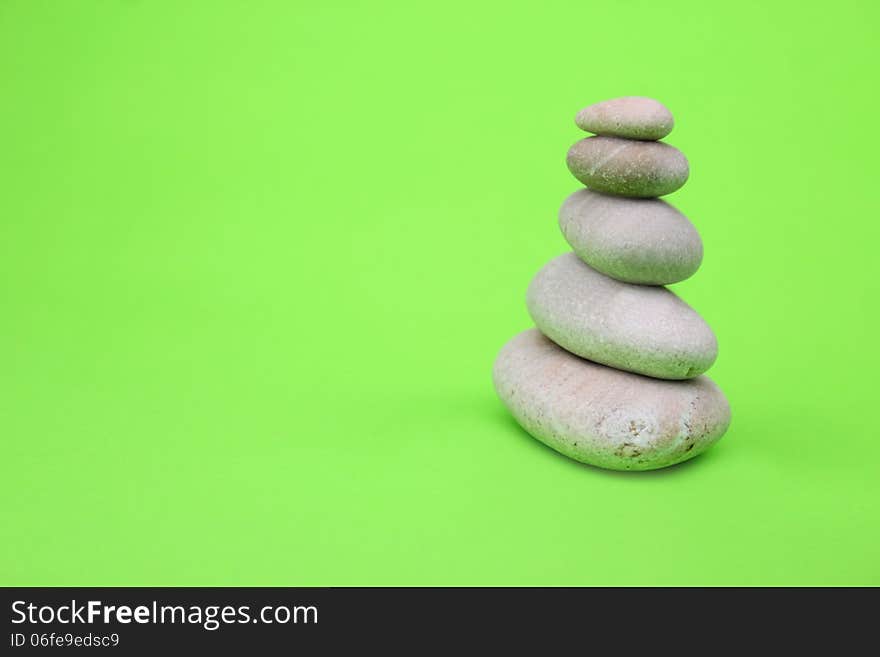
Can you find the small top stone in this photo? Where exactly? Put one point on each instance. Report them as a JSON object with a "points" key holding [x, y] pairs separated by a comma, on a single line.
{"points": [[630, 117]]}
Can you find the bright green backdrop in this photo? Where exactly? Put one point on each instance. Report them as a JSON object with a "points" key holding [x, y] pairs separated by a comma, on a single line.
{"points": [[258, 258]]}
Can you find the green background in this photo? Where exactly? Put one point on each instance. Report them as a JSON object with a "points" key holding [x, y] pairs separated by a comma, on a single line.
{"points": [[258, 258]]}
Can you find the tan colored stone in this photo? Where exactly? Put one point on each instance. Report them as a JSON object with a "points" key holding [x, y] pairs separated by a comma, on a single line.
{"points": [[637, 328], [626, 167], [630, 117], [602, 416], [635, 240]]}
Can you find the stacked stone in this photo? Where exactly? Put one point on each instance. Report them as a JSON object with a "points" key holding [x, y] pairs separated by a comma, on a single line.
{"points": [[613, 374]]}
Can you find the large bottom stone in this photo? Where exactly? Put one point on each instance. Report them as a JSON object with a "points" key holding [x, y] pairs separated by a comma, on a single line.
{"points": [[602, 416]]}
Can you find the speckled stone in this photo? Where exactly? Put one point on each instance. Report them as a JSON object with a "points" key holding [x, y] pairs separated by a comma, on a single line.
{"points": [[635, 240], [604, 417], [626, 167], [638, 328], [631, 117]]}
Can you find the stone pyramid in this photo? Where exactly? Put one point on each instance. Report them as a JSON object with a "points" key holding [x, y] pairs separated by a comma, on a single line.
{"points": [[613, 374]]}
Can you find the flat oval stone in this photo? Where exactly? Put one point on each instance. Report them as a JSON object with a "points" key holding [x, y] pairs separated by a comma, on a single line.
{"points": [[602, 416], [631, 117], [636, 240], [628, 168], [637, 328]]}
